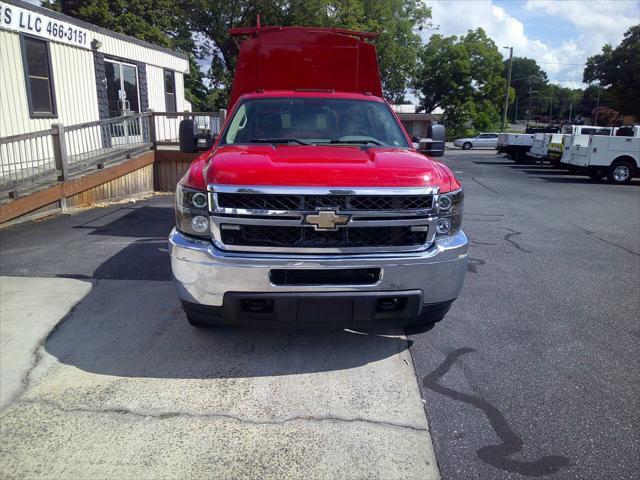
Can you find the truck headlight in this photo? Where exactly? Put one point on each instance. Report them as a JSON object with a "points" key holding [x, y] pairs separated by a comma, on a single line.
{"points": [[192, 211], [449, 212]]}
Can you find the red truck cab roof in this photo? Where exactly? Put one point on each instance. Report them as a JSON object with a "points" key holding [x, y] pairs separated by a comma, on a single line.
{"points": [[305, 58]]}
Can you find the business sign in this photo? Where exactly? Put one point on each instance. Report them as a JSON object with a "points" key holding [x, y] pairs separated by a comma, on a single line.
{"points": [[36, 24]]}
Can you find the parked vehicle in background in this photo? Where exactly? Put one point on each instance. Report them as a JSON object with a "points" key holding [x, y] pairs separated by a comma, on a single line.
{"points": [[559, 141], [482, 140], [617, 157], [540, 148], [313, 208], [516, 145]]}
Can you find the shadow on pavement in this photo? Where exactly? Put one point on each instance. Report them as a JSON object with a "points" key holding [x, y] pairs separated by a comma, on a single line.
{"points": [[146, 257], [144, 222], [137, 329], [555, 174]]}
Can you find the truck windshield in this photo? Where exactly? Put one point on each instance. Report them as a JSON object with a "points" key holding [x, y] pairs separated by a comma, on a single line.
{"points": [[314, 121]]}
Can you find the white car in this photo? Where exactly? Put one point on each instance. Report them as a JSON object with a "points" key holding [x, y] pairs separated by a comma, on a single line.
{"points": [[483, 140]]}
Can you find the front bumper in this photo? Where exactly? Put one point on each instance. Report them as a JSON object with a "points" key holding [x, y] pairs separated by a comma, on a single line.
{"points": [[208, 277]]}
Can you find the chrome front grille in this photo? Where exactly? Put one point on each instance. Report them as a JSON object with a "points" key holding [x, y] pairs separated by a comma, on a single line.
{"points": [[281, 219]]}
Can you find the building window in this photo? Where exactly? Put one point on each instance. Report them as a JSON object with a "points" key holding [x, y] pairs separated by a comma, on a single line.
{"points": [[170, 91], [36, 60]]}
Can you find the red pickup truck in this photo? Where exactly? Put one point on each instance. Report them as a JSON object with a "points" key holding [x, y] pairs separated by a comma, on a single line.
{"points": [[313, 207]]}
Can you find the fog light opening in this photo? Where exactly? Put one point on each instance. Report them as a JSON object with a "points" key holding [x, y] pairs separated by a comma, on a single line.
{"points": [[199, 224], [443, 226], [391, 304], [257, 305]]}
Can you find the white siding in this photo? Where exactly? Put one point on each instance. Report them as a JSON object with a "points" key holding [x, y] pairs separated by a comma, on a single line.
{"points": [[155, 84], [74, 80], [74, 83]]}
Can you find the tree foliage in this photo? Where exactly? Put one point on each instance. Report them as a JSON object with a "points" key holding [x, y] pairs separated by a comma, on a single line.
{"points": [[617, 70], [527, 80], [395, 20], [606, 117], [464, 76]]}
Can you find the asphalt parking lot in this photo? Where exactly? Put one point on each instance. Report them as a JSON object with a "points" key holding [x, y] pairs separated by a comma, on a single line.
{"points": [[534, 372]]}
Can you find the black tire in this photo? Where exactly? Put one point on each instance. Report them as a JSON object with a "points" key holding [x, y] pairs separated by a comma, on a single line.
{"points": [[596, 175], [195, 323], [467, 146], [519, 157], [620, 172]]}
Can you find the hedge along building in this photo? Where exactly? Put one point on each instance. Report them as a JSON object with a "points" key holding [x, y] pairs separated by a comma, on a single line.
{"points": [[55, 69]]}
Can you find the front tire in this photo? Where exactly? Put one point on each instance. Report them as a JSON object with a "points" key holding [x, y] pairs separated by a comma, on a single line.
{"points": [[620, 172], [466, 146]]}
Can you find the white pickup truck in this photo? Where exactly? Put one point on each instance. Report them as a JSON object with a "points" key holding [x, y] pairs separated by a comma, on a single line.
{"points": [[517, 145], [615, 156]]}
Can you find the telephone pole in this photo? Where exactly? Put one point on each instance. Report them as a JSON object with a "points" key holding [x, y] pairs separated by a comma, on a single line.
{"points": [[506, 95], [595, 121]]}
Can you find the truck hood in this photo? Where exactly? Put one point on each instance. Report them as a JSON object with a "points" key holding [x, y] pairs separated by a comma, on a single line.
{"points": [[346, 166]]}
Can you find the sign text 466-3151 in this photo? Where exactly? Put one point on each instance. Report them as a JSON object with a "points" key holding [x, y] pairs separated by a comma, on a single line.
{"points": [[26, 21]]}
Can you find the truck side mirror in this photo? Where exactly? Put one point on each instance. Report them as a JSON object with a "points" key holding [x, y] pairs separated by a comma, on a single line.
{"points": [[434, 147], [188, 136]]}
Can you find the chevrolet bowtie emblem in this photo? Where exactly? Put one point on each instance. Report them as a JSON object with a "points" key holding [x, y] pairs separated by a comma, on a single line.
{"points": [[326, 220]]}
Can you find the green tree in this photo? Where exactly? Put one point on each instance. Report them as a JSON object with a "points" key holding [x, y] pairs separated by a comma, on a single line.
{"points": [[617, 70], [464, 76], [527, 79], [161, 22], [395, 20]]}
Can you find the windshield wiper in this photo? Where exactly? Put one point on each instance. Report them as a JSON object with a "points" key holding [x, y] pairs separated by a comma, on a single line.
{"points": [[360, 142], [279, 140]]}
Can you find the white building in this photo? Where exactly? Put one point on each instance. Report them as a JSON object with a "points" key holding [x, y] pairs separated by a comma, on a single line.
{"points": [[56, 69]]}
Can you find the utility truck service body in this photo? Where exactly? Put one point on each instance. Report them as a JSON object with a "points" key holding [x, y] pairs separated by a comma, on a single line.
{"points": [[616, 156], [312, 208], [560, 141], [540, 148]]}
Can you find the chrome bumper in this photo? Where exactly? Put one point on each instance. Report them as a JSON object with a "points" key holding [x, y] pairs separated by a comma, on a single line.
{"points": [[203, 273]]}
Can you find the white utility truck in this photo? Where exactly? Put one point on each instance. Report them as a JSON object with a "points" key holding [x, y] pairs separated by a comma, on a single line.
{"points": [[615, 156], [560, 141], [516, 145]]}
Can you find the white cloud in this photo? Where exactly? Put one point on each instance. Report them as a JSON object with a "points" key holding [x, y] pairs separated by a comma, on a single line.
{"points": [[598, 22]]}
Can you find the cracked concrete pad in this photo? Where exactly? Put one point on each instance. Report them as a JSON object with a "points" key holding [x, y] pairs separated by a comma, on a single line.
{"points": [[82, 445], [29, 310], [126, 388]]}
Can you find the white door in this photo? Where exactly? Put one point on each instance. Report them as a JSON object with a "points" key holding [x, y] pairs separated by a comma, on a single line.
{"points": [[123, 97]]}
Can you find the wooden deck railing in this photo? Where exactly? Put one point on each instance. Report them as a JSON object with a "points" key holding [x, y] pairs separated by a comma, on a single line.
{"points": [[34, 160]]}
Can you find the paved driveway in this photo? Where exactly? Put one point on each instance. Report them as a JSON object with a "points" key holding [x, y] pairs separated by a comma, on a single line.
{"points": [[534, 373], [125, 388]]}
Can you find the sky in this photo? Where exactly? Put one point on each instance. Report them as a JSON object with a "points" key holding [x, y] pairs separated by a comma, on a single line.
{"points": [[559, 34]]}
